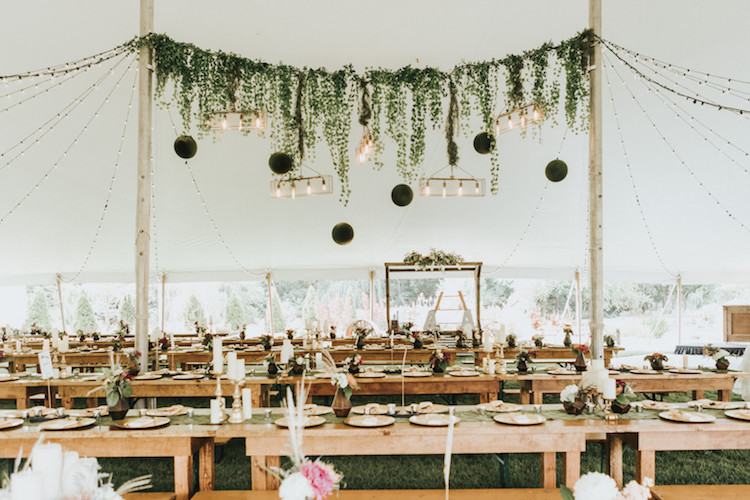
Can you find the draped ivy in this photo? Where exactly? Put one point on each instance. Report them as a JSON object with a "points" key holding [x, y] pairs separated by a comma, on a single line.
{"points": [[405, 101]]}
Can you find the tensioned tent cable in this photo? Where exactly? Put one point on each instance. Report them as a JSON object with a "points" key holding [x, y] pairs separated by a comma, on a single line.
{"points": [[70, 66], [67, 150]]}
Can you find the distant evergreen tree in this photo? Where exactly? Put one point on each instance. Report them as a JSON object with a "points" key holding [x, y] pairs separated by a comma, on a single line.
{"points": [[127, 310], [39, 311], [309, 306], [194, 312], [279, 324], [235, 314], [85, 319]]}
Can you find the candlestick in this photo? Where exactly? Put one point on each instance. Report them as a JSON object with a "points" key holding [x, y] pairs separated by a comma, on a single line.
{"points": [[45, 345], [65, 347], [236, 417], [685, 361]]}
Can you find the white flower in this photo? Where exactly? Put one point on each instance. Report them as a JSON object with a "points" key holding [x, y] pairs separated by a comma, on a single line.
{"points": [[341, 380], [569, 393], [596, 486], [721, 354], [296, 487], [635, 491], [300, 360], [80, 475]]}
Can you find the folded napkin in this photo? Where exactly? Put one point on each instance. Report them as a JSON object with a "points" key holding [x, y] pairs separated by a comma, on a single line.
{"points": [[141, 422], [171, 411]]}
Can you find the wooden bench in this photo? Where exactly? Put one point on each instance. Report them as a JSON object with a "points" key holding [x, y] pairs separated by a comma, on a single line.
{"points": [[467, 494], [168, 495], [700, 492]]}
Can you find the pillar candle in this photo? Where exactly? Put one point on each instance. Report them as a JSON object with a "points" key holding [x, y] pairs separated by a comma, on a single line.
{"points": [[500, 335], [610, 389], [216, 415], [247, 404], [65, 343], [239, 369], [218, 358], [486, 346], [47, 460], [55, 341], [684, 361], [287, 351], [26, 484], [318, 360], [45, 345], [491, 367], [231, 364]]}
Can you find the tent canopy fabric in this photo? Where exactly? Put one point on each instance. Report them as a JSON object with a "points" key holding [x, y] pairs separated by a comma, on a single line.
{"points": [[693, 202]]}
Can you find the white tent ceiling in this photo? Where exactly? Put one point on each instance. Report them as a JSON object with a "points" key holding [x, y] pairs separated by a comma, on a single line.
{"points": [[52, 231]]}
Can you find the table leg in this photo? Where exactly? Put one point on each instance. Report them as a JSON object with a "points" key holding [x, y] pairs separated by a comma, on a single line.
{"points": [[486, 397], [571, 468], [725, 395], [525, 392], [614, 458], [66, 401], [183, 477], [92, 402], [538, 397], [645, 465], [21, 403], [549, 470], [259, 476], [206, 465], [697, 395]]}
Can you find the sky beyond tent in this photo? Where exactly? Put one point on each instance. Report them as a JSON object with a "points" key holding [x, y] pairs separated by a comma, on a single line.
{"points": [[52, 231]]}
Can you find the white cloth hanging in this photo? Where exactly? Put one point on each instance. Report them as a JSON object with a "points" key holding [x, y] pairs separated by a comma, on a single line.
{"points": [[742, 385]]}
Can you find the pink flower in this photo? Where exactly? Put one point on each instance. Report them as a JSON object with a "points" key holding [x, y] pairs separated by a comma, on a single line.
{"points": [[322, 477]]}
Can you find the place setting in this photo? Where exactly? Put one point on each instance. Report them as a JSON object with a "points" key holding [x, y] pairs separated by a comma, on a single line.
{"points": [[687, 417], [499, 406], [518, 418], [434, 419], [168, 411], [67, 424], [10, 423], [142, 423]]}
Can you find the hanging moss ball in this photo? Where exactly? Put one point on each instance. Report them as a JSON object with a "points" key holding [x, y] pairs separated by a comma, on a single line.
{"points": [[556, 170], [185, 147], [484, 143], [280, 163], [342, 233], [402, 195]]}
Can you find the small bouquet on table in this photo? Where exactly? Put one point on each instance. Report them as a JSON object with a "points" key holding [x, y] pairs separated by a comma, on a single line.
{"points": [[353, 364], [344, 382], [416, 340], [523, 358], [580, 350], [439, 361], [266, 341], [657, 360], [719, 356]]}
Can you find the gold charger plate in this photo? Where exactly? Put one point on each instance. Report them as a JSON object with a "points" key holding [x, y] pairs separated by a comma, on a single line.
{"points": [[8, 378], [687, 417], [520, 418], [88, 412], [416, 374], [500, 407], [370, 421], [10, 423], [686, 371], [427, 407], [168, 411], [722, 405], [464, 373], [738, 414], [656, 405], [313, 409], [148, 376], [375, 409], [142, 423], [433, 420], [66, 424], [366, 374], [187, 376], [311, 421], [645, 372]]}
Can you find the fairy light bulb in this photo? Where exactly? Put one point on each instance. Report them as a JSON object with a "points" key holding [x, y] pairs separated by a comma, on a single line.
{"points": [[224, 123], [476, 189], [293, 192], [510, 122], [325, 188], [309, 188], [278, 190], [497, 127], [460, 188], [523, 120], [239, 126], [258, 123], [536, 114], [444, 190], [427, 189]]}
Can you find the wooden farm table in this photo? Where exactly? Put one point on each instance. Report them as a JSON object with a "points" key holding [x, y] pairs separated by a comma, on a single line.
{"points": [[265, 443], [533, 386], [19, 361], [649, 436], [544, 354], [21, 391], [178, 442]]}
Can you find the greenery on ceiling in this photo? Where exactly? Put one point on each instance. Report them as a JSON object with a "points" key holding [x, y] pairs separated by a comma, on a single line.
{"points": [[307, 105]]}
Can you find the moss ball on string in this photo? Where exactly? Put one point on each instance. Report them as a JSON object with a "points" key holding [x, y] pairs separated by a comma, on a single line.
{"points": [[556, 170], [185, 147], [402, 195], [280, 163], [484, 143], [342, 233]]}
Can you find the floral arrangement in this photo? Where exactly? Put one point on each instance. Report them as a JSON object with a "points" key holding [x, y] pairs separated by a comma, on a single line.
{"points": [[715, 353], [568, 331], [609, 341], [570, 394], [656, 357], [460, 339], [525, 356], [332, 332], [164, 342], [598, 486], [476, 337], [511, 340], [439, 360], [296, 364], [344, 381], [133, 358], [243, 331], [436, 258], [416, 340], [352, 364], [266, 341], [208, 341], [200, 329], [122, 329], [538, 340], [624, 392], [579, 349], [35, 330], [95, 336], [81, 336], [290, 334], [116, 385], [78, 478], [407, 326]]}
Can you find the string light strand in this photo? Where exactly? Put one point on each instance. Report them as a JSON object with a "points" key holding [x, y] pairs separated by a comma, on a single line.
{"points": [[70, 66]]}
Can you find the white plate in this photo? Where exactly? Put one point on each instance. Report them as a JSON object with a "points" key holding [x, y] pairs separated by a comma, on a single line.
{"points": [[169, 411], [8, 378], [147, 376], [187, 376], [10, 423], [464, 373], [433, 420], [370, 420], [366, 374], [311, 421], [520, 418], [500, 408], [738, 414], [416, 374], [656, 405], [375, 409], [66, 424], [688, 417], [142, 423]]}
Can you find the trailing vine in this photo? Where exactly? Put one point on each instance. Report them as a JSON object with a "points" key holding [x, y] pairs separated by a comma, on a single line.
{"points": [[403, 102]]}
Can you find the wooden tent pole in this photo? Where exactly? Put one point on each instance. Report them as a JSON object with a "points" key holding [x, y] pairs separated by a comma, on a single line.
{"points": [[679, 309], [578, 304], [59, 299], [372, 296], [270, 303], [163, 299], [143, 201], [595, 185]]}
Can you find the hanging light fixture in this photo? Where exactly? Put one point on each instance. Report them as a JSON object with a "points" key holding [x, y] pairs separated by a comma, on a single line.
{"points": [[254, 119], [367, 144], [452, 186], [518, 118]]}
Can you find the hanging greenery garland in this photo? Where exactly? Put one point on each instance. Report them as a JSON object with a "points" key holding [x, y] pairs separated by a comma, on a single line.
{"points": [[403, 101]]}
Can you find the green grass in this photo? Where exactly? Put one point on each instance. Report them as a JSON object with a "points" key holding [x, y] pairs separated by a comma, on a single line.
{"points": [[467, 471]]}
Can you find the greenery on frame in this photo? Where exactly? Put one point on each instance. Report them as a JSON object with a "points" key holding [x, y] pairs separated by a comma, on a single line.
{"points": [[306, 105]]}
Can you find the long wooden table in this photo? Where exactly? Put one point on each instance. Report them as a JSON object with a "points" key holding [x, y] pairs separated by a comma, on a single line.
{"points": [[534, 386]]}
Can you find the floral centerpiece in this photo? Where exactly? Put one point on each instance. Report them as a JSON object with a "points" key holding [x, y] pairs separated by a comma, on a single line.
{"points": [[416, 340], [352, 364], [407, 326], [573, 399], [719, 355], [35, 329], [296, 365], [122, 330], [243, 331], [436, 258], [568, 331], [270, 363], [657, 360], [117, 390], [598, 486], [208, 341], [344, 383], [266, 341], [306, 479], [360, 333], [132, 358], [332, 332], [523, 358], [476, 337], [621, 404], [580, 350], [164, 343], [200, 329], [460, 340], [95, 336], [80, 479], [439, 361], [290, 334], [538, 339], [609, 341], [510, 339], [81, 336]]}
